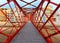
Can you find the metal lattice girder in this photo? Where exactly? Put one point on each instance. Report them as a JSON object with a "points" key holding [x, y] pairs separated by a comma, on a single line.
{"points": [[9, 28], [28, 3], [42, 26], [13, 27]]}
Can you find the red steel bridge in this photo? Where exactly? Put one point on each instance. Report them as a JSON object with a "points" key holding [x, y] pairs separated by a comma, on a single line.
{"points": [[34, 15]]}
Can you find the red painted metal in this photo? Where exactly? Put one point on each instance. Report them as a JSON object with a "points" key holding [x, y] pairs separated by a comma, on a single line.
{"points": [[13, 27], [51, 16], [37, 24]]}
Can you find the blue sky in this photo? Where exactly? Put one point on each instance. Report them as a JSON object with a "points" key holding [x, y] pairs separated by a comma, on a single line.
{"points": [[22, 3], [29, 6]]}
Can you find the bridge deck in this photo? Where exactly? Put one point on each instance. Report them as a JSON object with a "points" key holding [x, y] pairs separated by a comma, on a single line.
{"points": [[28, 34]]}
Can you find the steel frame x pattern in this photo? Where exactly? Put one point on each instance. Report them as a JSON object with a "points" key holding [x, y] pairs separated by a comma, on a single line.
{"points": [[15, 27], [9, 29], [28, 3], [41, 27]]}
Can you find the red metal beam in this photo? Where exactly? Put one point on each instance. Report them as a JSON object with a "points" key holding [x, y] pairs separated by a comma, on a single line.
{"points": [[11, 37], [19, 7], [3, 4], [6, 16], [28, 3], [50, 16], [45, 9], [53, 3], [37, 9]]}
